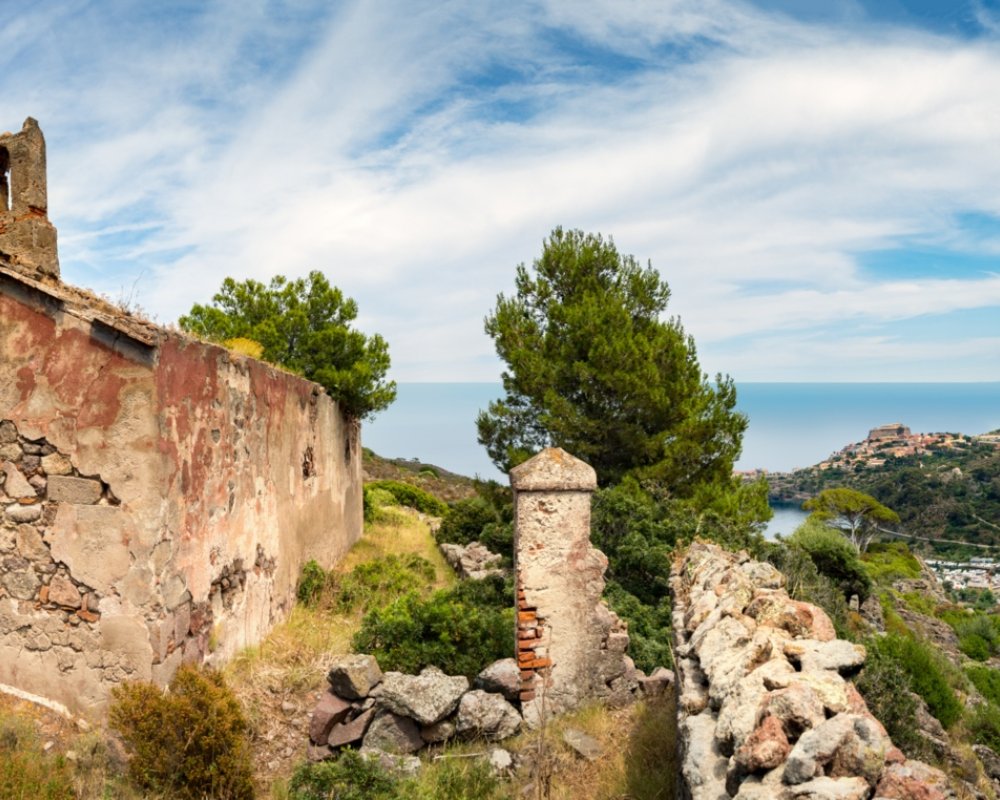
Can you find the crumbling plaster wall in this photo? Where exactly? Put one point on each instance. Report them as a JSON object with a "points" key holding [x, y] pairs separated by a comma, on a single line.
{"points": [[159, 496]]}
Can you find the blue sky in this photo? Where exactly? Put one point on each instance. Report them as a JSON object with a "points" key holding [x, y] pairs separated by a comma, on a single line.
{"points": [[819, 183]]}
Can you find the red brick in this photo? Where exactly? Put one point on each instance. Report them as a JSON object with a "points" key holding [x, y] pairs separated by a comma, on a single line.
{"points": [[526, 616]]}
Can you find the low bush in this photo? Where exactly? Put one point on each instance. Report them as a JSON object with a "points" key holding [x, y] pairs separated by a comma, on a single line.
{"points": [[987, 681], [928, 673], [350, 777], [886, 686], [888, 562], [459, 630], [465, 520], [383, 580], [407, 494], [984, 725], [375, 501], [649, 628], [312, 581], [26, 772], [978, 636], [189, 743], [834, 557]]}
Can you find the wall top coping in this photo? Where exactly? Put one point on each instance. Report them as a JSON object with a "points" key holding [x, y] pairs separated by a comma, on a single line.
{"points": [[553, 469]]}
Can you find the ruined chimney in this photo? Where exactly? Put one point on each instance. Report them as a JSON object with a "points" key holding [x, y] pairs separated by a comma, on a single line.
{"points": [[27, 238]]}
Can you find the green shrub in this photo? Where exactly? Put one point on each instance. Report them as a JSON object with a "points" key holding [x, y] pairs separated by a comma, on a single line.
{"points": [[465, 520], [350, 777], [26, 772], [375, 501], [834, 557], [984, 725], [188, 743], [407, 494], [886, 686], [987, 681], [312, 581], [459, 630], [927, 672], [887, 562], [382, 580], [649, 628], [978, 636], [920, 603]]}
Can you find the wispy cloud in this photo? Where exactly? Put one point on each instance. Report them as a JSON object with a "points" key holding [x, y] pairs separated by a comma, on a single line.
{"points": [[416, 153]]}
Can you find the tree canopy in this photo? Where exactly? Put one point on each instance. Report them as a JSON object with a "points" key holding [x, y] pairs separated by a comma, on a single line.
{"points": [[593, 368], [856, 514], [303, 325]]}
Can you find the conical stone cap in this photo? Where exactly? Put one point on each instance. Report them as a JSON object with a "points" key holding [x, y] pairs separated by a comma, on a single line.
{"points": [[553, 470]]}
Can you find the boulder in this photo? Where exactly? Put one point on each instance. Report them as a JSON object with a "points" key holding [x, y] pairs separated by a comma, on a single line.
{"points": [[438, 732], [502, 677], [913, 780], [798, 708], [837, 655], [844, 745], [825, 788], [351, 731], [427, 698], [582, 744], [392, 733], [486, 715], [765, 748], [659, 683], [330, 710], [354, 676], [991, 761], [703, 765]]}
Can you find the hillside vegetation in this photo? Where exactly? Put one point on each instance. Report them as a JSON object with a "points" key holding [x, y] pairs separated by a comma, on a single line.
{"points": [[948, 493]]}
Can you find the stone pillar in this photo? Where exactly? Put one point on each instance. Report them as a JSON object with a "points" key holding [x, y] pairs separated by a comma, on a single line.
{"points": [[27, 238], [570, 647]]}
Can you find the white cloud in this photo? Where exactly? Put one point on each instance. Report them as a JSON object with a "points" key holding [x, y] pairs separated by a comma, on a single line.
{"points": [[416, 155]]}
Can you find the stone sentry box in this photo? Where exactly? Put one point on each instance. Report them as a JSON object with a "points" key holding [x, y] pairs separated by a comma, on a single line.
{"points": [[570, 646], [158, 494]]}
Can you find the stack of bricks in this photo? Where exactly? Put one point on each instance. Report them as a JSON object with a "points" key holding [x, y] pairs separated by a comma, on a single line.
{"points": [[532, 657]]}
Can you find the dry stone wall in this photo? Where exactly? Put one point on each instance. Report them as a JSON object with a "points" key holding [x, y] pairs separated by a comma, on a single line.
{"points": [[766, 707]]}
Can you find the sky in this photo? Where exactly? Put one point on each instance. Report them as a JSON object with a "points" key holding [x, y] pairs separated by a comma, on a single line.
{"points": [[818, 183]]}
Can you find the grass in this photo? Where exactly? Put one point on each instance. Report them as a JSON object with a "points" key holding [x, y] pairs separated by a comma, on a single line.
{"points": [[294, 657]]}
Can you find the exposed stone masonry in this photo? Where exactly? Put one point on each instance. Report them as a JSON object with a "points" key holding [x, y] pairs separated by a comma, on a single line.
{"points": [[531, 643], [766, 710], [27, 238], [570, 646], [34, 479]]}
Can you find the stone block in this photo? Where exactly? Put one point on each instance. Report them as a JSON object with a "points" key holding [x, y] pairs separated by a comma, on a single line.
{"points": [[427, 698], [354, 676], [15, 485], [23, 513], [343, 733], [56, 464], [67, 489], [328, 712], [393, 733], [63, 592]]}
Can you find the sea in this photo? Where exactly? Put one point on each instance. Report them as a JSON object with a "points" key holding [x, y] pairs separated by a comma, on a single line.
{"points": [[790, 424]]}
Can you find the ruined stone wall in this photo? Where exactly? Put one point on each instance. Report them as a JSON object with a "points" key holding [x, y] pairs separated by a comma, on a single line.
{"points": [[158, 495], [27, 238], [766, 710]]}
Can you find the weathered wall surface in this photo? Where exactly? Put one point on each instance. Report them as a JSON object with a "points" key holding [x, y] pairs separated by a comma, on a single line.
{"points": [[571, 647], [157, 496], [765, 709]]}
